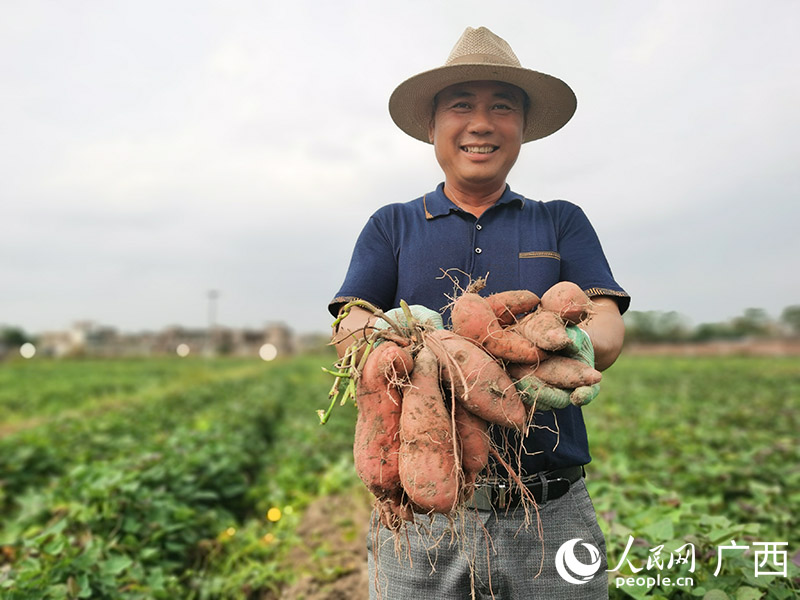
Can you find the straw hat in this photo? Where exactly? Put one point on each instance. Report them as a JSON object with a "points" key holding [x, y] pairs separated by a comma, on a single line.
{"points": [[481, 55]]}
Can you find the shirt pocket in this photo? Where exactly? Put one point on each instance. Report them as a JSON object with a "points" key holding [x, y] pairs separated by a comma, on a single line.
{"points": [[539, 270]]}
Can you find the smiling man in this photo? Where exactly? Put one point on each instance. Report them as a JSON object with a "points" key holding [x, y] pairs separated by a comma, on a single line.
{"points": [[476, 132], [477, 111]]}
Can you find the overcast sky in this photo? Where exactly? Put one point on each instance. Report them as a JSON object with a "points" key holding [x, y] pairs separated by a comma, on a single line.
{"points": [[153, 151]]}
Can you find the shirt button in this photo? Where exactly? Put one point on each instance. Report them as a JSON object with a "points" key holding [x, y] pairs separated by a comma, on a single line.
{"points": [[478, 226], [478, 250]]}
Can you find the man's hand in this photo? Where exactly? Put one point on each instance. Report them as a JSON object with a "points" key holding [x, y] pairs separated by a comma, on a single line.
{"points": [[360, 323], [584, 352], [535, 392], [581, 346], [419, 313], [543, 396], [352, 329], [607, 330]]}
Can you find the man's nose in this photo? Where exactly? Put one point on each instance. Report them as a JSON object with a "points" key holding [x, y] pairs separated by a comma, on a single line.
{"points": [[481, 122]]}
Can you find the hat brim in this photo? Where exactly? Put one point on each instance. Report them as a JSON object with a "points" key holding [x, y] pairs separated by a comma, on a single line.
{"points": [[552, 102]]}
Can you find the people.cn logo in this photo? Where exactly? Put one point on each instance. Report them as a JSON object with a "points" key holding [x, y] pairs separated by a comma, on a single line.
{"points": [[571, 569]]}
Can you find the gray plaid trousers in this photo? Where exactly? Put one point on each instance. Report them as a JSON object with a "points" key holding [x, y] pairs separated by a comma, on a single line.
{"points": [[493, 555]]}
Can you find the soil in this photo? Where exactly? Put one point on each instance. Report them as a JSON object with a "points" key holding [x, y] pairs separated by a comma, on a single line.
{"points": [[331, 561], [765, 347]]}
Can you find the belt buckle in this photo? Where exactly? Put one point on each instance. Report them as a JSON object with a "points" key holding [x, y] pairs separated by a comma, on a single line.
{"points": [[502, 496], [482, 497], [490, 496]]}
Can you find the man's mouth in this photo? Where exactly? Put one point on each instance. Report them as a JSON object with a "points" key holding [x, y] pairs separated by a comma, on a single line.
{"points": [[479, 149]]}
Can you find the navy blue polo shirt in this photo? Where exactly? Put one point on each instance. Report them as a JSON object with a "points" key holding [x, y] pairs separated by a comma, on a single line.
{"points": [[426, 250]]}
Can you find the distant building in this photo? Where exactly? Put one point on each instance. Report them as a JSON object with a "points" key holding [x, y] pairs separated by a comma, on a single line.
{"points": [[86, 338], [168, 340], [280, 336], [83, 336]]}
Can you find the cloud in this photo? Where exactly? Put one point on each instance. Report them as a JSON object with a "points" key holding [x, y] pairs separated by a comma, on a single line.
{"points": [[242, 147]]}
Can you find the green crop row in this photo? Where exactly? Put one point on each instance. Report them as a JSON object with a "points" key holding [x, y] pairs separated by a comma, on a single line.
{"points": [[110, 426], [43, 388], [176, 479], [700, 451], [165, 496]]}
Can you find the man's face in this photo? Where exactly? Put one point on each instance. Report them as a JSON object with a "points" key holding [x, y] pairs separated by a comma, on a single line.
{"points": [[476, 131]]}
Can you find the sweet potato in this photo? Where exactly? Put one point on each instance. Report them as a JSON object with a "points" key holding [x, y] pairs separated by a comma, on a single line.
{"points": [[559, 371], [395, 363], [507, 305], [477, 379], [473, 436], [377, 443], [473, 318], [544, 329], [568, 301], [427, 462]]}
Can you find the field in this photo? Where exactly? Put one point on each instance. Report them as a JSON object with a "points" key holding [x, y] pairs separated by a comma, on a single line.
{"points": [[204, 479]]}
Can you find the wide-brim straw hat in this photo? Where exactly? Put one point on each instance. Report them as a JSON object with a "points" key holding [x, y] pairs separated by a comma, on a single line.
{"points": [[480, 55]]}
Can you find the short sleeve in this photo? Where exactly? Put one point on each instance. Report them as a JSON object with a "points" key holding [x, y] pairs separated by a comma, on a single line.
{"points": [[582, 258], [372, 274]]}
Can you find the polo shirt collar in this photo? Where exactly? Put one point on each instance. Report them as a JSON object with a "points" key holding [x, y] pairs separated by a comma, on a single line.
{"points": [[436, 204]]}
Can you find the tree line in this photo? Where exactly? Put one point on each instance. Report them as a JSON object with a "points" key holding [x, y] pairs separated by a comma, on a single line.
{"points": [[649, 327]]}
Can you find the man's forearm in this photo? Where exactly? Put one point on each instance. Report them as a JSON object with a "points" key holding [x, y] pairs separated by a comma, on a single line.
{"points": [[606, 330], [354, 327]]}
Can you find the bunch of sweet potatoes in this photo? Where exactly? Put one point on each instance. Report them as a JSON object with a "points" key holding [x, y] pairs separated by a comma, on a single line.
{"points": [[530, 336], [421, 436], [425, 405]]}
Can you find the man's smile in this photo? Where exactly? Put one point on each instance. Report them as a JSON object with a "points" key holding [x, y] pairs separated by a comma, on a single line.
{"points": [[479, 149]]}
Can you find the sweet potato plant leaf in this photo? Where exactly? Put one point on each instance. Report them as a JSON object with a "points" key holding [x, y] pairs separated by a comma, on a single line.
{"points": [[660, 531], [116, 565], [748, 593], [55, 546], [637, 592], [717, 536]]}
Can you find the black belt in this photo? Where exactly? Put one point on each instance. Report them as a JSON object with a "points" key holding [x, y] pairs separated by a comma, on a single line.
{"points": [[492, 494]]}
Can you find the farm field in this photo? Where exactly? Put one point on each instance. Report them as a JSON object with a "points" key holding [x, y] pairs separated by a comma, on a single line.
{"points": [[204, 479]]}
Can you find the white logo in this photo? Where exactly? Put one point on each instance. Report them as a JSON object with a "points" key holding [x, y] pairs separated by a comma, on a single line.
{"points": [[573, 570]]}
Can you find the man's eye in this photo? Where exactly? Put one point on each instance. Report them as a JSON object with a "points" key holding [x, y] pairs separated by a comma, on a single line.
{"points": [[461, 105], [502, 107]]}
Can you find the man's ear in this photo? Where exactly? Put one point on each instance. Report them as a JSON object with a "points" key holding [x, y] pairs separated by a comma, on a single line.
{"points": [[430, 130]]}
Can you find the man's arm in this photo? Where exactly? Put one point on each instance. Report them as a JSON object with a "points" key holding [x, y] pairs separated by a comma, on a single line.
{"points": [[606, 330]]}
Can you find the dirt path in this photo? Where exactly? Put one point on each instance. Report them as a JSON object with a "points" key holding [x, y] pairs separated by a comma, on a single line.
{"points": [[331, 563]]}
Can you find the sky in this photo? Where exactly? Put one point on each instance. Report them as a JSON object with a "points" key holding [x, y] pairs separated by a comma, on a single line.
{"points": [[155, 151]]}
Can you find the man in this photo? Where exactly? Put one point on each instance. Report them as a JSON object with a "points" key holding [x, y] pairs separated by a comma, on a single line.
{"points": [[477, 110]]}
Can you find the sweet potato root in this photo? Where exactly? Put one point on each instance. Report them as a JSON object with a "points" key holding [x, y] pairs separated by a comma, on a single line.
{"points": [[393, 510], [559, 371], [568, 301], [377, 443], [473, 436], [477, 379], [427, 462], [474, 318], [507, 305]]}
